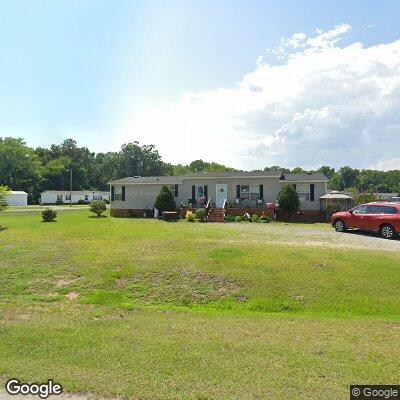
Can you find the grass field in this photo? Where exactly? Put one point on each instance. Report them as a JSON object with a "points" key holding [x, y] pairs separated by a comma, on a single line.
{"points": [[145, 309]]}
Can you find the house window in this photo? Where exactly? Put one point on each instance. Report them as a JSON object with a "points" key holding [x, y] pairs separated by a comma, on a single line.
{"points": [[97, 197], [67, 197], [249, 192], [59, 197], [199, 191], [118, 193], [303, 191], [87, 197], [174, 190]]}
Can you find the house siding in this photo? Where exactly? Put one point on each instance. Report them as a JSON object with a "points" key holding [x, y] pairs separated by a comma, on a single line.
{"points": [[140, 196]]}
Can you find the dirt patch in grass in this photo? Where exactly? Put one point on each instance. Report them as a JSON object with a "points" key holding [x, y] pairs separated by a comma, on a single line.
{"points": [[62, 282], [181, 287], [72, 295], [321, 266]]}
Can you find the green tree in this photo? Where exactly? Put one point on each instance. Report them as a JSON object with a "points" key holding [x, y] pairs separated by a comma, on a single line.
{"points": [[336, 182], [349, 176], [165, 200], [136, 160], [288, 199], [20, 166], [327, 171], [277, 168], [4, 191], [298, 170]]}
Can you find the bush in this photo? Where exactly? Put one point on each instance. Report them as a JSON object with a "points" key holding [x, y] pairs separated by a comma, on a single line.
{"points": [[246, 217], [190, 216], [265, 219], [98, 207], [229, 218], [364, 197], [49, 215], [288, 199], [60, 202], [332, 209], [80, 201], [255, 218], [238, 218], [200, 214], [165, 200]]}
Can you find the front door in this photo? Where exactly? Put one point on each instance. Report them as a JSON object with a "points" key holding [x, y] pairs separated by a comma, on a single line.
{"points": [[221, 194]]}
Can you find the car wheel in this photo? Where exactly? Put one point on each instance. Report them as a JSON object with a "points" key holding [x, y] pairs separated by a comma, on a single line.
{"points": [[387, 231], [340, 226]]}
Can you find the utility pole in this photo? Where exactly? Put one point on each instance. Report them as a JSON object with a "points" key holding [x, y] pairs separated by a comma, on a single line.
{"points": [[70, 188]]}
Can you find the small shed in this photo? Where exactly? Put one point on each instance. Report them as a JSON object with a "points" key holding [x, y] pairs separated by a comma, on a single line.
{"points": [[17, 198], [335, 201]]}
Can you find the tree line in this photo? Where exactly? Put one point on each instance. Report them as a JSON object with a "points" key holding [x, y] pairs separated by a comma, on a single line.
{"points": [[37, 169]]}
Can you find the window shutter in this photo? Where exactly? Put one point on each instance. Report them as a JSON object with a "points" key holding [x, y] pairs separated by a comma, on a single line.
{"points": [[312, 192], [193, 193], [238, 191], [294, 185], [206, 191], [123, 193], [112, 193], [176, 190], [262, 192]]}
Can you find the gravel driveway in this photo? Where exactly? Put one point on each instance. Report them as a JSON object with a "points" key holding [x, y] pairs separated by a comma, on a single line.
{"points": [[310, 235]]}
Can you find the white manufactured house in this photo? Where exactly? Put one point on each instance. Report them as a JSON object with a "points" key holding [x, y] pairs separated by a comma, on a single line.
{"points": [[17, 198], [63, 196]]}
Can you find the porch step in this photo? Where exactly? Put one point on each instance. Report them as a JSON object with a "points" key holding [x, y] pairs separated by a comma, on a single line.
{"points": [[216, 215]]}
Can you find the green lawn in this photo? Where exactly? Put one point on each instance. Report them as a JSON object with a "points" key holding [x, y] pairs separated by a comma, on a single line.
{"points": [[153, 310]]}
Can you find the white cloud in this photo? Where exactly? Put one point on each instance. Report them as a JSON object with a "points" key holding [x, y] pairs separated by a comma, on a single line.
{"points": [[324, 104]]}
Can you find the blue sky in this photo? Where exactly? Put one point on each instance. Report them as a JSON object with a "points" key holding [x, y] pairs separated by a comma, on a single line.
{"points": [[103, 71]]}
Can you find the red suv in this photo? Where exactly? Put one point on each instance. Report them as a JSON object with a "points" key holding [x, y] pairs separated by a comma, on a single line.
{"points": [[376, 217]]}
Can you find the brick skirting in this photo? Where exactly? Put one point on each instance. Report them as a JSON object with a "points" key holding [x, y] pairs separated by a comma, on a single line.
{"points": [[258, 211], [301, 216], [132, 212]]}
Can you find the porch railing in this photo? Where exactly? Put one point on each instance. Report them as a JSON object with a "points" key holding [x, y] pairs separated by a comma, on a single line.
{"points": [[208, 204]]}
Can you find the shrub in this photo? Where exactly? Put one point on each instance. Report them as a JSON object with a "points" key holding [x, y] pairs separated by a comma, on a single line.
{"points": [[364, 197], [165, 200], [288, 199], [332, 209], [80, 201], [229, 218], [238, 218], [200, 214], [60, 202], [265, 219], [49, 215], [246, 217], [190, 216], [98, 207], [255, 218]]}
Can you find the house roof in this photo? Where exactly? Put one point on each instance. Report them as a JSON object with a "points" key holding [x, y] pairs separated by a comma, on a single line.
{"points": [[148, 179], [17, 192], [230, 174], [335, 195], [75, 192], [304, 177]]}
